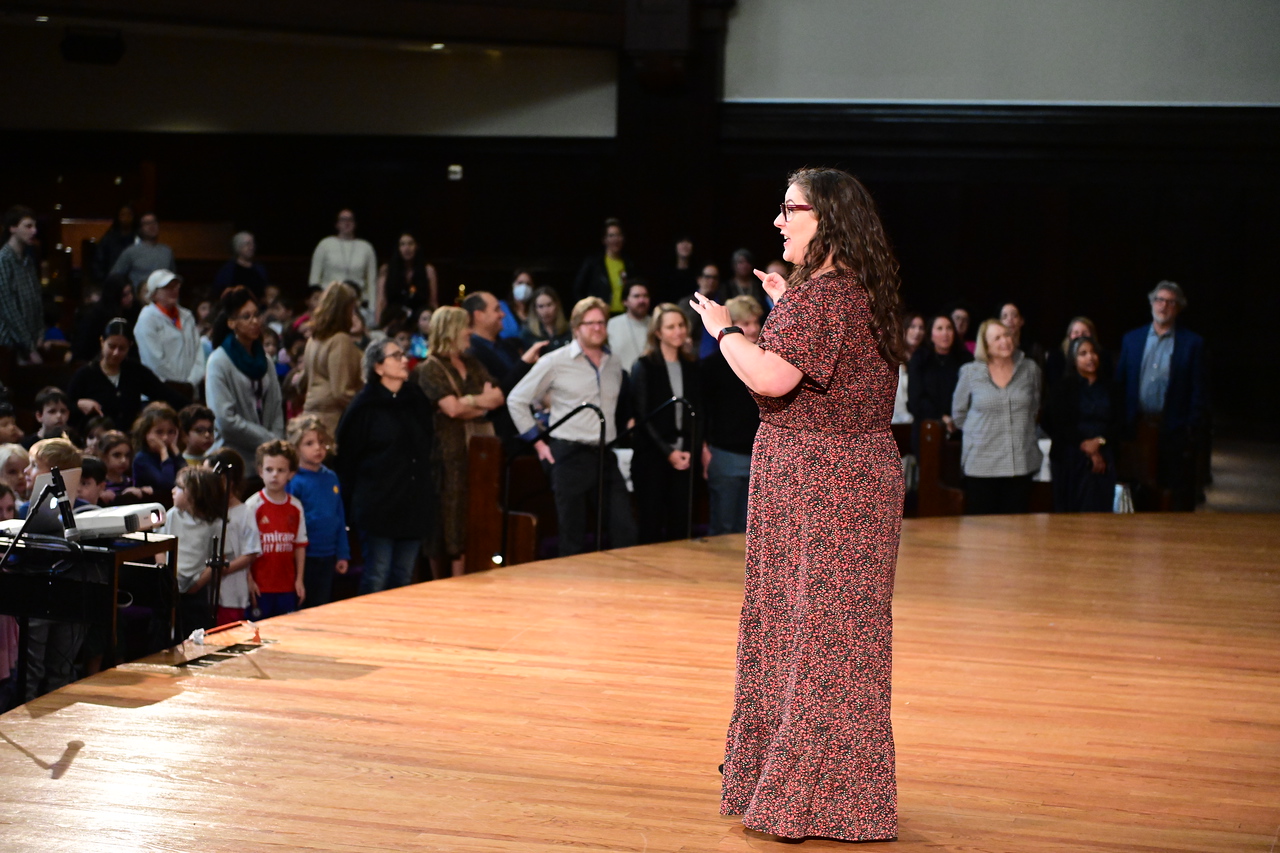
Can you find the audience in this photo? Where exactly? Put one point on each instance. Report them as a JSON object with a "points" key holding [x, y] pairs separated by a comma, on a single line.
{"points": [[158, 459], [243, 543], [242, 389], [21, 314], [603, 275], [629, 331], [913, 337], [138, 261], [995, 403], [242, 270], [317, 488], [167, 335], [114, 387], [198, 498], [406, 280], [1163, 374], [120, 236], [384, 455], [345, 257], [515, 308], [583, 371], [546, 321], [730, 418], [464, 394], [1083, 418], [116, 451], [662, 468], [708, 286], [53, 410], [331, 361], [115, 301], [502, 358], [276, 579], [932, 374], [681, 279], [195, 423], [744, 281], [961, 320]]}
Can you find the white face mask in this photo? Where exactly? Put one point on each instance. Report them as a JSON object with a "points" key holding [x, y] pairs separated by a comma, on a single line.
{"points": [[521, 291]]}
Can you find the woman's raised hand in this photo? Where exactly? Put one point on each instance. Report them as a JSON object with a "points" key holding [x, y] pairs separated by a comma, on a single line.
{"points": [[774, 284]]}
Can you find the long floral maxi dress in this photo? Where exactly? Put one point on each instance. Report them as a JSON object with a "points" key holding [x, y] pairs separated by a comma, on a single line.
{"points": [[810, 744]]}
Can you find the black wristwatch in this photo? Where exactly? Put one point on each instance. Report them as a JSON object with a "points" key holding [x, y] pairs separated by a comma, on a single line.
{"points": [[728, 330]]}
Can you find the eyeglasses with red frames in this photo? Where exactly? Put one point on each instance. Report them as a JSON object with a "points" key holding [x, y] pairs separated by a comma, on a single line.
{"points": [[788, 209]]}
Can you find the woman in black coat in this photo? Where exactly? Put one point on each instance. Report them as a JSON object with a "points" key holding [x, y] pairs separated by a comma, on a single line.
{"points": [[661, 468], [1083, 418], [384, 461], [113, 385], [932, 374]]}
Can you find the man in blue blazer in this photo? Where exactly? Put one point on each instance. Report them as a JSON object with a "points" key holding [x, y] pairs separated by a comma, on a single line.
{"points": [[1164, 373]]}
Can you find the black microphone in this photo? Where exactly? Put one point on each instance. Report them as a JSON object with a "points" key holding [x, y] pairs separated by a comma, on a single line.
{"points": [[64, 503]]}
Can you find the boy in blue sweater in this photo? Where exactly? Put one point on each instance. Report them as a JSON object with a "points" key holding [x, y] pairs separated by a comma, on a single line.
{"points": [[316, 486]]}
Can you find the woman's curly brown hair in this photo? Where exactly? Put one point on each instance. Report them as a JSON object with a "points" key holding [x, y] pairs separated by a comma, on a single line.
{"points": [[851, 235]]}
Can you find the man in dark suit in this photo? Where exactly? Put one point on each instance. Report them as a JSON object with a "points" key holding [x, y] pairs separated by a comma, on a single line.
{"points": [[605, 275], [1164, 374]]}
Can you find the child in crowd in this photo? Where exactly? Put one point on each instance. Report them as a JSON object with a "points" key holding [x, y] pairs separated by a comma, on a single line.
{"points": [[276, 585], [157, 461], [279, 316], [14, 460], [243, 544], [293, 387], [52, 647], [198, 499], [417, 348], [196, 423], [8, 502], [93, 478], [271, 346], [116, 452], [53, 407], [328, 549], [94, 429], [10, 432]]}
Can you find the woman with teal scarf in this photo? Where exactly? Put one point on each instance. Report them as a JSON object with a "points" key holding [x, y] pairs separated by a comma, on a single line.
{"points": [[240, 387]]}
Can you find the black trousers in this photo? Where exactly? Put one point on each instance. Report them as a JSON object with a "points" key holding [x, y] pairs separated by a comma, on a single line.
{"points": [[574, 479], [997, 495], [662, 497]]}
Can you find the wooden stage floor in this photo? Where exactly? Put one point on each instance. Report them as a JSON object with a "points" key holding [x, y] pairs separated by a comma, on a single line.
{"points": [[1061, 684]]}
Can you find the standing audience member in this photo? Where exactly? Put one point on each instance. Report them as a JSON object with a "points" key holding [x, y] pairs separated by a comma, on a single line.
{"points": [[114, 386], [581, 372], [158, 460], [932, 375], [406, 280], [662, 468], [53, 409], [463, 393], [167, 334], [120, 236], [730, 418], [1013, 320], [345, 257], [385, 440], [961, 320], [115, 302], [996, 401], [276, 580], [195, 422], [244, 545], [744, 281], [198, 499], [603, 276], [242, 270], [502, 358], [21, 314], [14, 460], [913, 337], [10, 432], [629, 331], [316, 486], [681, 279], [146, 256], [708, 286], [546, 321], [331, 361], [242, 389], [515, 308], [1163, 374], [1057, 366], [1083, 417], [419, 345]]}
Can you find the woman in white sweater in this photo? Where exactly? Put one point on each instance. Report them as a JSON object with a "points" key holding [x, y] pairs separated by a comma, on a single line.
{"points": [[240, 385], [168, 340]]}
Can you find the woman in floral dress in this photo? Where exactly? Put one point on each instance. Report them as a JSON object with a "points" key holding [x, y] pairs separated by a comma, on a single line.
{"points": [[810, 744]]}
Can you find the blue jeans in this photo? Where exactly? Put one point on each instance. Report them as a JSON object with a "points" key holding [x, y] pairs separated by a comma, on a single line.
{"points": [[388, 563], [728, 477]]}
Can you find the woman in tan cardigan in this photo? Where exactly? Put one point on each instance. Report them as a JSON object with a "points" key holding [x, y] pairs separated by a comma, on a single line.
{"points": [[332, 360]]}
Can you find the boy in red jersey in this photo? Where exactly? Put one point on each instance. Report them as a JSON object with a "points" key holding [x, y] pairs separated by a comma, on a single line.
{"points": [[275, 582]]}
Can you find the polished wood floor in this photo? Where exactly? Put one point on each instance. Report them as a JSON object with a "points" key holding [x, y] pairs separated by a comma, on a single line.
{"points": [[1061, 684]]}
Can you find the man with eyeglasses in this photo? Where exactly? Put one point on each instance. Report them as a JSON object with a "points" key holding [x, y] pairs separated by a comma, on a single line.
{"points": [[1163, 371], [708, 286], [501, 357], [582, 372]]}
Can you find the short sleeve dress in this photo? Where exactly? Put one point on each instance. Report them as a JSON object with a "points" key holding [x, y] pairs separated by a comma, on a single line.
{"points": [[810, 745], [438, 379]]}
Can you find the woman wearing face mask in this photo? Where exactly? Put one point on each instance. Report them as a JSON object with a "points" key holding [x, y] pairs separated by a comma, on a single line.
{"points": [[515, 308], [407, 280], [113, 386], [1083, 418]]}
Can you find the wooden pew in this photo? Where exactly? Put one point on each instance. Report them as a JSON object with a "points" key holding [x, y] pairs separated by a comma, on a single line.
{"points": [[939, 492], [484, 511]]}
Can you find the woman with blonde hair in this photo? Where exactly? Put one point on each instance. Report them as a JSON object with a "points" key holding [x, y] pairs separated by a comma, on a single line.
{"points": [[331, 361], [661, 467], [463, 393]]}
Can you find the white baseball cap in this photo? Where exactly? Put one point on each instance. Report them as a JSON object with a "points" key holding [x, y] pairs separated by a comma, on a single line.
{"points": [[162, 278]]}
